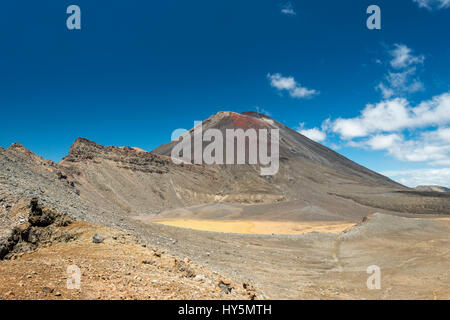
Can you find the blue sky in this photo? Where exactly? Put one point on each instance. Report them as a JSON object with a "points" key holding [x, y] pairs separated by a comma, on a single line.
{"points": [[137, 70]]}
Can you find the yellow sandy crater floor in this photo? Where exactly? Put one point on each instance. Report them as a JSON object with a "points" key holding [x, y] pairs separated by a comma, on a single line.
{"points": [[259, 227]]}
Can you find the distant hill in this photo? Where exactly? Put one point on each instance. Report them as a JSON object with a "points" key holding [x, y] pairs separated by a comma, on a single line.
{"points": [[432, 188]]}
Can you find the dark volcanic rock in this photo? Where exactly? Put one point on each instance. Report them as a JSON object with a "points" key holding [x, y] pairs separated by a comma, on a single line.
{"points": [[42, 217], [39, 229], [39, 217], [7, 243]]}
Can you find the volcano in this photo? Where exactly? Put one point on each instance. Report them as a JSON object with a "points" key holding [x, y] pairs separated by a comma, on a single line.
{"points": [[292, 147], [312, 182]]}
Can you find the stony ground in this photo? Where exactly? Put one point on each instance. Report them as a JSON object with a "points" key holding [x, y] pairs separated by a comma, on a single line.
{"points": [[120, 267]]}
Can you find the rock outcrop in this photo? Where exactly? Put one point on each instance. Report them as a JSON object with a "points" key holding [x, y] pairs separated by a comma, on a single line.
{"points": [[37, 231]]}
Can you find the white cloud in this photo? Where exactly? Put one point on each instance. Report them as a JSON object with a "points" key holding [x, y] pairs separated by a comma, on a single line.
{"points": [[432, 147], [394, 115], [402, 79], [380, 142], [402, 57], [281, 83], [400, 83], [420, 149], [411, 134], [443, 134], [313, 134], [385, 91], [288, 9], [289, 84], [413, 178], [433, 4]]}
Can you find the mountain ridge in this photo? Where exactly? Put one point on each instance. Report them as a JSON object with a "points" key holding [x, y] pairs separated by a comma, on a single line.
{"points": [[313, 180]]}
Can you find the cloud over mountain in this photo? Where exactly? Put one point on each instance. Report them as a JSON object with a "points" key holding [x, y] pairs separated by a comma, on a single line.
{"points": [[289, 84]]}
